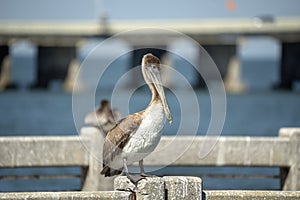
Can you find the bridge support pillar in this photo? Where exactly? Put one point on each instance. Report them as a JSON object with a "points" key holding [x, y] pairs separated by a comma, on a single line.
{"points": [[4, 51], [290, 67], [53, 63], [221, 55], [5, 65]]}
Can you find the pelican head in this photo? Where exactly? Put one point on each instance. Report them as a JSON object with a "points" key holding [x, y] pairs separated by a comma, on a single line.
{"points": [[151, 72]]}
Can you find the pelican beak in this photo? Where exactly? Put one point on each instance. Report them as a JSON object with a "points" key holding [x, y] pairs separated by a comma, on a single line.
{"points": [[155, 77]]}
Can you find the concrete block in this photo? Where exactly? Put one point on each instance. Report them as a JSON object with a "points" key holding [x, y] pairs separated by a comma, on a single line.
{"points": [[183, 187], [148, 188], [168, 187]]}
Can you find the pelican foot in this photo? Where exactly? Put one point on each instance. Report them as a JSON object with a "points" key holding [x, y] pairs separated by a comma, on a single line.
{"points": [[135, 178]]}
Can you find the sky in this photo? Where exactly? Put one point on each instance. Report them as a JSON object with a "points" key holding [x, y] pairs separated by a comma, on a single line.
{"points": [[92, 10], [137, 9]]}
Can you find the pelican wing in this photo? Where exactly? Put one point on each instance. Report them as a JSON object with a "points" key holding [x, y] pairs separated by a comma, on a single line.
{"points": [[116, 139]]}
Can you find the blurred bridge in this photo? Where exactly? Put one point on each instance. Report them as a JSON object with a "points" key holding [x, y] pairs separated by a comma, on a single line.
{"points": [[57, 41]]}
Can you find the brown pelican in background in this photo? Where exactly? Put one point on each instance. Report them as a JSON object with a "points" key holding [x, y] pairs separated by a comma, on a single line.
{"points": [[103, 118], [137, 135]]}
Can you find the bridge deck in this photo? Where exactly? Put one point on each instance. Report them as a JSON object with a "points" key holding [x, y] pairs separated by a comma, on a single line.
{"points": [[286, 29]]}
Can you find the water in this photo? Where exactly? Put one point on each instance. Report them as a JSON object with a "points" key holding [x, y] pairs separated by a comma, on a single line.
{"points": [[50, 113], [260, 112]]}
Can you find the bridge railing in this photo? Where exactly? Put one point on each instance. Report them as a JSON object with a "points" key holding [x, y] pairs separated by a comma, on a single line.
{"points": [[84, 150], [282, 152]]}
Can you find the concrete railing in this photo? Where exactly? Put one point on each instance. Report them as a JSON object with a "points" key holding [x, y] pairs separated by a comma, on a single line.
{"points": [[81, 151], [282, 151], [58, 151]]}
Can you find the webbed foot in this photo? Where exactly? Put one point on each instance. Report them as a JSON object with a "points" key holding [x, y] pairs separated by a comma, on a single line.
{"points": [[135, 178]]}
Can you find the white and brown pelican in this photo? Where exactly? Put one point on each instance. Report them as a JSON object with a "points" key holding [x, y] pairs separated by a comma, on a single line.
{"points": [[103, 117], [137, 135]]}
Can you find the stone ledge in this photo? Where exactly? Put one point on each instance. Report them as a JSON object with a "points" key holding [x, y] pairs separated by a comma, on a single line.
{"points": [[257, 195], [175, 187], [111, 195]]}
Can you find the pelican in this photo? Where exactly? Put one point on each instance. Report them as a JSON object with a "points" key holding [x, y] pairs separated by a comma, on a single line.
{"points": [[137, 135], [103, 118]]}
